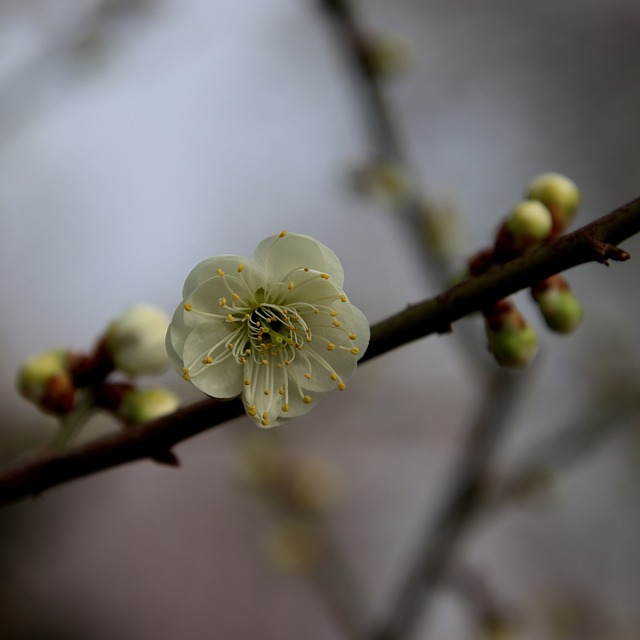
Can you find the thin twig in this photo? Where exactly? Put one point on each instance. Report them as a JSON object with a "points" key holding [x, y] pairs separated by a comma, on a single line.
{"points": [[49, 469], [438, 546]]}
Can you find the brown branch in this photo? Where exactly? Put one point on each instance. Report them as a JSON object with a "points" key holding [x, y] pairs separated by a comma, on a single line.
{"points": [[594, 242]]}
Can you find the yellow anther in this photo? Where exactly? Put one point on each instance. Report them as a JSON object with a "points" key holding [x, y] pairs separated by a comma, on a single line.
{"points": [[333, 313], [290, 285], [355, 351], [334, 376], [236, 296], [188, 306], [285, 408], [331, 346], [266, 392], [343, 298], [247, 382], [207, 360], [279, 365], [251, 410], [315, 310], [222, 301], [240, 268], [265, 362], [229, 317], [287, 362], [325, 276], [336, 323], [353, 336], [307, 376], [342, 386], [219, 271], [306, 269], [283, 233], [308, 339], [281, 391], [243, 360], [306, 399], [185, 374], [230, 345]]}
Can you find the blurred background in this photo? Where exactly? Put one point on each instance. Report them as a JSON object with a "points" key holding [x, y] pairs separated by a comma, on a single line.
{"points": [[138, 137]]}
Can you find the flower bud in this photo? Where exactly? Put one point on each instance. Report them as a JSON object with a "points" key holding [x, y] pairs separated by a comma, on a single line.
{"points": [[561, 309], [383, 181], [44, 379], [293, 545], [136, 340], [512, 341], [559, 194], [144, 405], [387, 55], [528, 225]]}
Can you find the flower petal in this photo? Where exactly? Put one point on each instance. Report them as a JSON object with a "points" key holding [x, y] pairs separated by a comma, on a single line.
{"points": [[229, 264], [281, 254], [176, 335], [222, 378]]}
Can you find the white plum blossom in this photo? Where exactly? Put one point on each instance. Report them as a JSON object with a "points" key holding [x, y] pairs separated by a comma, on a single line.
{"points": [[277, 328]]}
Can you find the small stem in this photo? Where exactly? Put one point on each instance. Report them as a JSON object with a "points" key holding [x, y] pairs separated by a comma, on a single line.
{"points": [[71, 423]]}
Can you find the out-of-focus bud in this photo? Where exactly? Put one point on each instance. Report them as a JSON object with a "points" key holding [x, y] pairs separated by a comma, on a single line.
{"points": [[136, 340], [44, 379], [559, 194], [441, 227], [561, 309], [387, 55], [512, 341], [384, 181], [144, 405], [293, 546], [528, 225], [314, 486]]}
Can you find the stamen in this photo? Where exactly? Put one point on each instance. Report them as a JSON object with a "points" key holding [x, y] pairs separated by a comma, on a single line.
{"points": [[222, 301], [355, 351], [188, 306], [283, 233], [306, 399], [207, 360], [220, 272], [342, 386], [285, 407], [353, 336], [307, 376], [343, 298], [251, 410], [330, 346], [247, 382]]}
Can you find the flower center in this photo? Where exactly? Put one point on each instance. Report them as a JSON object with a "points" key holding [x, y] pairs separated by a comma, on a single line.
{"points": [[275, 331]]}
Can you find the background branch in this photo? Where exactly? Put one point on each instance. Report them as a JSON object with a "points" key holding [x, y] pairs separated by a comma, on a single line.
{"points": [[594, 242]]}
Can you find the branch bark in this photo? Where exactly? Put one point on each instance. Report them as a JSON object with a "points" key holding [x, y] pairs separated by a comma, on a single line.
{"points": [[595, 242]]}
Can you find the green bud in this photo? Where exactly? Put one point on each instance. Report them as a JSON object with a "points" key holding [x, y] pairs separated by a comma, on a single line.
{"points": [[44, 379], [144, 405], [561, 309], [559, 193], [136, 340], [530, 223], [515, 343]]}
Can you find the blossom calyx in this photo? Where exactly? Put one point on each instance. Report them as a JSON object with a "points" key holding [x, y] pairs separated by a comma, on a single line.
{"points": [[559, 194], [135, 340], [277, 329], [44, 379]]}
